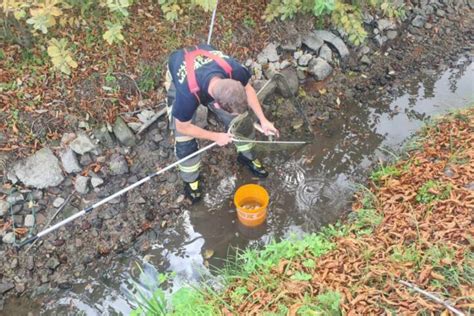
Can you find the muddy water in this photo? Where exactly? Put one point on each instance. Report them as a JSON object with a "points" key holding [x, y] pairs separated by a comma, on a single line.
{"points": [[310, 186]]}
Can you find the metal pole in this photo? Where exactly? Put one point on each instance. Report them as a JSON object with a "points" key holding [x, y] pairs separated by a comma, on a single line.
{"points": [[269, 141], [212, 24], [107, 199]]}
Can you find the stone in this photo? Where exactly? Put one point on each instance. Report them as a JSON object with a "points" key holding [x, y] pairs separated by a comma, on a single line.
{"points": [[81, 184], [418, 21], [380, 39], [67, 138], [392, 34], [441, 13], [292, 81], [325, 53], [16, 209], [52, 263], [4, 207], [37, 195], [145, 115], [319, 68], [312, 41], [118, 165], [58, 202], [40, 171], [386, 24], [8, 238], [365, 60], [69, 161], [84, 125], [201, 116], [15, 198], [284, 64], [335, 41], [264, 88], [96, 181], [104, 137], [301, 74], [5, 287], [257, 71], [135, 126], [12, 177], [40, 219], [82, 144], [297, 54], [428, 26], [304, 60], [172, 177], [30, 263], [18, 220], [157, 138], [85, 160], [292, 43], [29, 220], [123, 133], [268, 54]]}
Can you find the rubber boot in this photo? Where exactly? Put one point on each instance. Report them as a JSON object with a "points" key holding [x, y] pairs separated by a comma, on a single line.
{"points": [[255, 166], [193, 190]]}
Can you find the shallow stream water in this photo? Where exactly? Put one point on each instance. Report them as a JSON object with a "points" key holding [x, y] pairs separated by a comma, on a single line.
{"points": [[310, 186]]}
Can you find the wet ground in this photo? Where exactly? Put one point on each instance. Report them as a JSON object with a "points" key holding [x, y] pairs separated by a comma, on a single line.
{"points": [[310, 186]]}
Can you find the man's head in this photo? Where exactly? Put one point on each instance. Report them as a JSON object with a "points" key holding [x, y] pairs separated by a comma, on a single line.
{"points": [[231, 96]]}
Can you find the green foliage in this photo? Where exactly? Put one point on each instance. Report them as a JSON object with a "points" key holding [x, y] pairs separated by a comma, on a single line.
{"points": [[44, 15], [435, 254], [408, 254], [188, 301], [385, 172], [329, 303], [149, 77], [365, 221], [173, 8], [301, 276], [287, 9], [61, 55], [432, 191], [154, 304], [349, 18], [389, 8], [113, 33], [249, 22], [309, 263], [262, 260]]}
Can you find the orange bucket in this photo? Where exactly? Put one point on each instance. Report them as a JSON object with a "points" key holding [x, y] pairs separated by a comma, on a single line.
{"points": [[251, 201]]}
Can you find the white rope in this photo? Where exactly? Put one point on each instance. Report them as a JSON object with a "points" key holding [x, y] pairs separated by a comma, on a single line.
{"points": [[211, 27]]}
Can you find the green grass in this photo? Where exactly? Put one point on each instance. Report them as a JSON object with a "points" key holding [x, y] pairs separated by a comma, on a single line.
{"points": [[384, 172], [409, 254], [425, 193], [365, 221]]}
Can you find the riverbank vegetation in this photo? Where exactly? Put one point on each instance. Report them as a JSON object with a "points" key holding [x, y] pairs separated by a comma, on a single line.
{"points": [[65, 61], [411, 227]]}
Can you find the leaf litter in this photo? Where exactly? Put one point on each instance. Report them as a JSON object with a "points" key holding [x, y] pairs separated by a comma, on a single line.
{"points": [[428, 242]]}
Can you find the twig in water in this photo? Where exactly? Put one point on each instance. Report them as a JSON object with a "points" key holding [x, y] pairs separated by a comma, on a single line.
{"points": [[432, 297], [53, 217]]}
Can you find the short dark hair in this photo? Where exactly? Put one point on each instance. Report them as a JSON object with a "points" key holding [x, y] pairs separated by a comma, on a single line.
{"points": [[231, 96]]}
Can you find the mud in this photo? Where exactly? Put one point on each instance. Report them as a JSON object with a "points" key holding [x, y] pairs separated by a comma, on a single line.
{"points": [[360, 116]]}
